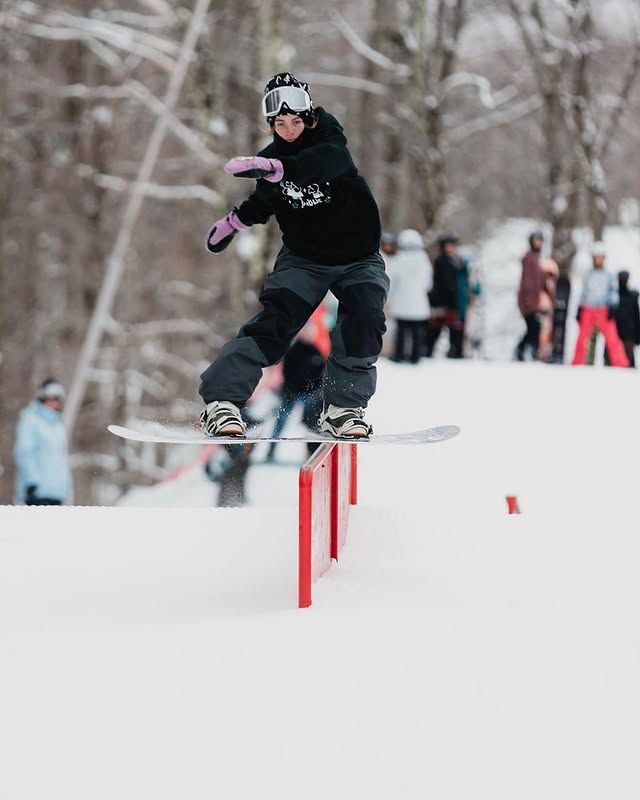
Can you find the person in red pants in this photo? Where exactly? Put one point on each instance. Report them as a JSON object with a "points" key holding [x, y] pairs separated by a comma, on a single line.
{"points": [[598, 303]]}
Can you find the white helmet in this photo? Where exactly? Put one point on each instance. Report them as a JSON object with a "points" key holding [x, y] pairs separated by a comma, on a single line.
{"points": [[410, 239], [51, 389], [598, 249]]}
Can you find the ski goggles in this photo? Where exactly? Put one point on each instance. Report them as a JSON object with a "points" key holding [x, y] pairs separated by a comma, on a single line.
{"points": [[294, 98]]}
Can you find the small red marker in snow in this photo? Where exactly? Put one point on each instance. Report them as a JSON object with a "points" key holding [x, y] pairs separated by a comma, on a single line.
{"points": [[512, 504]]}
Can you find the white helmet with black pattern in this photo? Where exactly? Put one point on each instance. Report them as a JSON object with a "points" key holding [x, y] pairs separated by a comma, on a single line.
{"points": [[285, 94]]}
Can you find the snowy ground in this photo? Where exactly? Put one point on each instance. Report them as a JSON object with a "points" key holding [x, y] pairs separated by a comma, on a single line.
{"points": [[455, 652]]}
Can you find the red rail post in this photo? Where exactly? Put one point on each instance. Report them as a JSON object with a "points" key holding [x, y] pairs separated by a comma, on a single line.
{"points": [[314, 520], [328, 487], [353, 489], [335, 500], [304, 538]]}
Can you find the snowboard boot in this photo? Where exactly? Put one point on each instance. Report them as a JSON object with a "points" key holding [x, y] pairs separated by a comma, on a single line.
{"points": [[222, 418], [345, 423]]}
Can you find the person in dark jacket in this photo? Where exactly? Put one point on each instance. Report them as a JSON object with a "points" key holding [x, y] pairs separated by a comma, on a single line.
{"points": [[229, 467], [450, 289], [627, 317], [331, 231], [302, 369], [530, 291]]}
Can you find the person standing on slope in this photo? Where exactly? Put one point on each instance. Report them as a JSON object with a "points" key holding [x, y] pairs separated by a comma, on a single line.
{"points": [[331, 234], [598, 304], [43, 474], [628, 316], [531, 290], [411, 278], [450, 287]]}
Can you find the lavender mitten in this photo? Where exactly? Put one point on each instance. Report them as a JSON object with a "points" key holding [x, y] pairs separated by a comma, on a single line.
{"points": [[255, 167], [223, 231]]}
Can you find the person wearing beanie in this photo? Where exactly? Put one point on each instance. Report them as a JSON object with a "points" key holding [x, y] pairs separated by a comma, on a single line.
{"points": [[331, 231], [597, 309], [388, 245], [43, 476], [411, 278], [448, 296]]}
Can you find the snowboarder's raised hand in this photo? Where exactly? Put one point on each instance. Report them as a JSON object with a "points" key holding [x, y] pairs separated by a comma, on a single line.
{"points": [[255, 167], [223, 231]]}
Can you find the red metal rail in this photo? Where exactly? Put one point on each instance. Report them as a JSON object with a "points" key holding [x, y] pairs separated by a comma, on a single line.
{"points": [[327, 488]]}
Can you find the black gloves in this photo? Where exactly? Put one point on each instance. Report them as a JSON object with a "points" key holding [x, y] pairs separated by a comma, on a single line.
{"points": [[31, 493]]}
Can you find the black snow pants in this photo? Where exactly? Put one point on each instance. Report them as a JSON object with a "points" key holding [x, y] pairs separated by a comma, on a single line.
{"points": [[531, 338], [413, 330], [289, 296]]}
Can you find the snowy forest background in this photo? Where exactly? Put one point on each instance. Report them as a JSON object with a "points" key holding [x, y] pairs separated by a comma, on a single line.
{"points": [[118, 116]]}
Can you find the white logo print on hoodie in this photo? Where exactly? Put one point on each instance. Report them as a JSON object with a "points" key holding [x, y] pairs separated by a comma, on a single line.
{"points": [[304, 197]]}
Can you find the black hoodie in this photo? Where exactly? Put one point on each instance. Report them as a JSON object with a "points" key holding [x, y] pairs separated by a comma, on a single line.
{"points": [[446, 269], [325, 209]]}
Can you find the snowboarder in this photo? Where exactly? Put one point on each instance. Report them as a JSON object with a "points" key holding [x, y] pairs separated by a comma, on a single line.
{"points": [[43, 475], [331, 234], [411, 278], [598, 303]]}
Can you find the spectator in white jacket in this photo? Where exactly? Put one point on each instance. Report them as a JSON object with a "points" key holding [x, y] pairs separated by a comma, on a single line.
{"points": [[411, 278]]}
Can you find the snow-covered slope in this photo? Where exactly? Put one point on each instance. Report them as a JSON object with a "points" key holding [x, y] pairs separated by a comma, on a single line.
{"points": [[455, 651]]}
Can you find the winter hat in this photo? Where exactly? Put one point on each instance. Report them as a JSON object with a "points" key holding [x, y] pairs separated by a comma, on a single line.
{"points": [[598, 249], [51, 389], [274, 103], [623, 277], [410, 239], [448, 238]]}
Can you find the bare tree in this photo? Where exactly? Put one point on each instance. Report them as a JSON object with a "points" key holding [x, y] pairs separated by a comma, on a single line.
{"points": [[440, 121], [116, 259], [561, 44]]}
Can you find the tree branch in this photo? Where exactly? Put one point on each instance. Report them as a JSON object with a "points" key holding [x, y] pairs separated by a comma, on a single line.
{"points": [[155, 190], [365, 50], [622, 98], [495, 119]]}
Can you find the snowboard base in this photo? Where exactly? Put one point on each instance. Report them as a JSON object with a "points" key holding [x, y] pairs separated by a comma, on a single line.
{"points": [[184, 434]]}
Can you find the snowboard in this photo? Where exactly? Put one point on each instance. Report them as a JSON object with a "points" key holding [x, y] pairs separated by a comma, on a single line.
{"points": [[186, 434]]}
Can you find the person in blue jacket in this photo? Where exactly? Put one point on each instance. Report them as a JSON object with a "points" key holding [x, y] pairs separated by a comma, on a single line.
{"points": [[43, 476]]}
